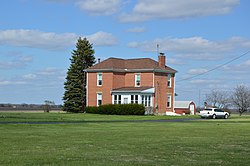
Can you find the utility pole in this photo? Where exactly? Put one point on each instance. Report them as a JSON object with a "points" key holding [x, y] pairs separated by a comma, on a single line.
{"points": [[199, 97]]}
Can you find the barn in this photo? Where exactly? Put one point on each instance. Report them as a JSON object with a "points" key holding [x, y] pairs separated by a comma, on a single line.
{"points": [[184, 107]]}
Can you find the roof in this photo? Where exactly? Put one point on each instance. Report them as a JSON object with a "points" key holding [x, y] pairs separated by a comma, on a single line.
{"points": [[130, 65], [145, 89], [182, 104]]}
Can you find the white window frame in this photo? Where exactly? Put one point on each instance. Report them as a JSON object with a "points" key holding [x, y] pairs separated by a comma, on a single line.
{"points": [[99, 97], [133, 99], [169, 97], [146, 100], [99, 78], [138, 75], [169, 80]]}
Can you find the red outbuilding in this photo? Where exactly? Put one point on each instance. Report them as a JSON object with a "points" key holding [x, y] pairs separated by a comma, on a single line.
{"points": [[185, 107]]}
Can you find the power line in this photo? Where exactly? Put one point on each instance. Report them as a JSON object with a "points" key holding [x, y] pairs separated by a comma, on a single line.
{"points": [[238, 57]]}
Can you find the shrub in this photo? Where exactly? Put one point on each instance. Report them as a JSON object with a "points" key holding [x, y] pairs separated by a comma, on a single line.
{"points": [[117, 109], [92, 110]]}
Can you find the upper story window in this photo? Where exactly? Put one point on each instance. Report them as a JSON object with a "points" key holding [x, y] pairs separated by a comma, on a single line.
{"points": [[99, 79], [137, 80], [169, 80]]}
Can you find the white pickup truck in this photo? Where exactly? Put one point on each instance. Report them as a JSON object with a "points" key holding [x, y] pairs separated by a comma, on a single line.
{"points": [[214, 113]]}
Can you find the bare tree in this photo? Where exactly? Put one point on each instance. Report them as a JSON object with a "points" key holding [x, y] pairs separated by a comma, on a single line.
{"points": [[218, 99], [241, 98], [47, 105]]}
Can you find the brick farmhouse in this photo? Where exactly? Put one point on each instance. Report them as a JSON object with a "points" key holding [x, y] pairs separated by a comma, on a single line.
{"points": [[123, 81]]}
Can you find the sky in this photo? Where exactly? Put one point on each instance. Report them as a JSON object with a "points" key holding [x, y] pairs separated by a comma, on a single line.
{"points": [[207, 42]]}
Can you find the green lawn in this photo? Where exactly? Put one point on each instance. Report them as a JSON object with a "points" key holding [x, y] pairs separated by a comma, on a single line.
{"points": [[38, 117], [200, 142]]}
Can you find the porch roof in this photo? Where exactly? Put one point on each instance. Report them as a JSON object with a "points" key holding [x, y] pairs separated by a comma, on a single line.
{"points": [[143, 89]]}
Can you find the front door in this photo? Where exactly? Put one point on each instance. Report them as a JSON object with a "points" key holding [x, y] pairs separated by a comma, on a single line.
{"points": [[192, 109], [126, 100]]}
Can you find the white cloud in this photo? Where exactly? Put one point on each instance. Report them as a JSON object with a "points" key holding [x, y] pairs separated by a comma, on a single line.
{"points": [[6, 83], [196, 71], [18, 62], [247, 63], [49, 71], [50, 40], [29, 76], [194, 48], [37, 39], [205, 81], [174, 61], [168, 9], [137, 30], [242, 68], [102, 38], [99, 7]]}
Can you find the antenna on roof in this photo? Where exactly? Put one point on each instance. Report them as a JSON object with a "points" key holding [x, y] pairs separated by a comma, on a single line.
{"points": [[158, 46]]}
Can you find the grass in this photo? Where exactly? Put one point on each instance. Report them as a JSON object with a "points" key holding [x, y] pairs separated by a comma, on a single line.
{"points": [[54, 117], [204, 142]]}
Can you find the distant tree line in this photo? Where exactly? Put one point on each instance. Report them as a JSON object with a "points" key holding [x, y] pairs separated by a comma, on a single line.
{"points": [[24, 106], [239, 98]]}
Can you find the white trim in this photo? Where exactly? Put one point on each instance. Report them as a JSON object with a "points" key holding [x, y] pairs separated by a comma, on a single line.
{"points": [[173, 92], [128, 96], [97, 94], [170, 97], [87, 97], [150, 90], [97, 79], [137, 74]]}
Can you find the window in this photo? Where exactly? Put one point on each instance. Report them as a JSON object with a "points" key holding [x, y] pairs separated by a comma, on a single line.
{"points": [[169, 101], [99, 99], [146, 100], [137, 80], [99, 79], [149, 101], [134, 99], [117, 99], [169, 80]]}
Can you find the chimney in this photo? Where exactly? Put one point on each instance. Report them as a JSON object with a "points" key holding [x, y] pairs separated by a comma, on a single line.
{"points": [[162, 60], [99, 60]]}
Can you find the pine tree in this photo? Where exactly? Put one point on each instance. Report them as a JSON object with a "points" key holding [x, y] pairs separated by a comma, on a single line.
{"points": [[75, 84]]}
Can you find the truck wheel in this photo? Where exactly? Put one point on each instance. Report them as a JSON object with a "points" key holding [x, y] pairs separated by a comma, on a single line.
{"points": [[226, 116], [214, 116]]}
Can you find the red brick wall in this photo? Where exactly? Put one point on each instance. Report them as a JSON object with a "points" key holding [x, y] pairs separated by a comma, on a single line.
{"points": [[93, 89], [118, 80], [130, 79], [146, 79], [162, 90]]}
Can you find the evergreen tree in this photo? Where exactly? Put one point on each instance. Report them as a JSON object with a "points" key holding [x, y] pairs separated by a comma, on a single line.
{"points": [[75, 85]]}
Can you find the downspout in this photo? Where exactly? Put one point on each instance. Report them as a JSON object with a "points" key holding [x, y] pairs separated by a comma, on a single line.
{"points": [[173, 92], [156, 96], [87, 101]]}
